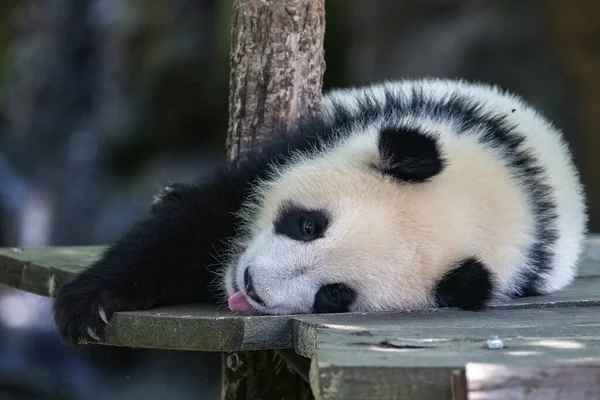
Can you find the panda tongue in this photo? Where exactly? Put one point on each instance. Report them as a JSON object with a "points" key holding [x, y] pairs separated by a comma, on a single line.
{"points": [[238, 302]]}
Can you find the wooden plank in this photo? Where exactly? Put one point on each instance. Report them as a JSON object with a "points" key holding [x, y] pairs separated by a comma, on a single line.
{"points": [[261, 375], [589, 267], [592, 247], [40, 270], [583, 291], [590, 259], [380, 383], [450, 330], [499, 382], [208, 328], [205, 328], [416, 355], [199, 328]]}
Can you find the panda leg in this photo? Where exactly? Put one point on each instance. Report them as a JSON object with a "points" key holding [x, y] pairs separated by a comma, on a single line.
{"points": [[165, 258], [468, 286]]}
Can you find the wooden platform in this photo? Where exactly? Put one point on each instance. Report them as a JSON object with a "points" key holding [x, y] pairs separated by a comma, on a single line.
{"points": [[427, 354]]}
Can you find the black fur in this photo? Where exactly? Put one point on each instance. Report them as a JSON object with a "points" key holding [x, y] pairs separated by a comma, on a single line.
{"points": [[334, 298], [469, 286], [169, 256], [409, 155], [164, 259]]}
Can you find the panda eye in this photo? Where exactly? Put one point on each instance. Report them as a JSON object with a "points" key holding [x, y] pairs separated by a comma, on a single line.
{"points": [[334, 298], [334, 292], [308, 227], [301, 224]]}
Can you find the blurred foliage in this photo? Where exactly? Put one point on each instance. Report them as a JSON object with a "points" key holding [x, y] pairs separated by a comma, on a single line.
{"points": [[178, 84], [6, 36]]}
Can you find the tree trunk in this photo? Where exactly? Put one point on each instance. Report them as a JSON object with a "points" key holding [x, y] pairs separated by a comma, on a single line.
{"points": [[277, 65]]}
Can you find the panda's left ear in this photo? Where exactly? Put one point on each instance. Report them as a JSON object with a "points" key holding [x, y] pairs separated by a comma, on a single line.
{"points": [[409, 155]]}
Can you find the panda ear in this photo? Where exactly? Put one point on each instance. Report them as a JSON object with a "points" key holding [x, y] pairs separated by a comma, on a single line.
{"points": [[409, 155]]}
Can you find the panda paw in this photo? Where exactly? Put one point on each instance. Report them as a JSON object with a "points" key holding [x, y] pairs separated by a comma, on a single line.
{"points": [[82, 312]]}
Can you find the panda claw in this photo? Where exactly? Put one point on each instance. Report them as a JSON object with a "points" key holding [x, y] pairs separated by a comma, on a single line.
{"points": [[102, 314], [92, 334]]}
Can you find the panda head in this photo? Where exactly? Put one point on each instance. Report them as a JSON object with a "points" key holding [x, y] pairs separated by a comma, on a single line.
{"points": [[338, 230]]}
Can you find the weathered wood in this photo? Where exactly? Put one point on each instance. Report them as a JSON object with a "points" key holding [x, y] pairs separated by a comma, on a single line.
{"points": [[380, 383], [498, 382], [261, 375], [428, 338], [208, 328], [417, 355], [583, 291], [198, 328], [40, 270], [277, 66]]}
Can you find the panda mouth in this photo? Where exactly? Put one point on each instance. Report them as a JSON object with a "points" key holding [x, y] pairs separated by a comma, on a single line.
{"points": [[246, 298], [239, 302], [249, 287]]}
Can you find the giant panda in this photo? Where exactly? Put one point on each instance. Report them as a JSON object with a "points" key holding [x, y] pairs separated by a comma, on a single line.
{"points": [[403, 195]]}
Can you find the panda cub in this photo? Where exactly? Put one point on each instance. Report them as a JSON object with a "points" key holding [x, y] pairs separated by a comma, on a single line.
{"points": [[404, 195]]}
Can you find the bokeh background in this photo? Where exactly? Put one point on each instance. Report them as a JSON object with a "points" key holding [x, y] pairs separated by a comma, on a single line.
{"points": [[102, 102]]}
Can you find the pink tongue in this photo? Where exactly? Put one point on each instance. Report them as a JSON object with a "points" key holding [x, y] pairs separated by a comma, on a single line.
{"points": [[238, 302]]}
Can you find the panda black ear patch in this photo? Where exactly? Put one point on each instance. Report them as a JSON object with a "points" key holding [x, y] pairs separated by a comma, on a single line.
{"points": [[408, 155], [468, 286]]}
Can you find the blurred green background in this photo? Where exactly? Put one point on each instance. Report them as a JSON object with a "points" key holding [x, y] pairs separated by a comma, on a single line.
{"points": [[102, 102]]}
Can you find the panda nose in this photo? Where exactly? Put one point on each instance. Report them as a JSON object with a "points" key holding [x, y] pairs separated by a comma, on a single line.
{"points": [[248, 284]]}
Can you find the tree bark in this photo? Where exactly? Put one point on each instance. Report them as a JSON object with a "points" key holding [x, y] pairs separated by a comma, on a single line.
{"points": [[277, 66]]}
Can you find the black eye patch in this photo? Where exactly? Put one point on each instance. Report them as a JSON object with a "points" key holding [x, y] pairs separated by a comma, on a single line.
{"points": [[301, 224], [333, 298]]}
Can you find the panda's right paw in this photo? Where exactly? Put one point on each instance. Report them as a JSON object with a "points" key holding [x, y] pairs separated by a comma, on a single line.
{"points": [[81, 315], [83, 310]]}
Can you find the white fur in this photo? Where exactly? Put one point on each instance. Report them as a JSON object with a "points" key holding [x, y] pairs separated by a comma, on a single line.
{"points": [[392, 241]]}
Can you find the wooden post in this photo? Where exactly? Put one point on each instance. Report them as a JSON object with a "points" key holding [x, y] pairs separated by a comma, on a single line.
{"points": [[277, 65], [497, 381]]}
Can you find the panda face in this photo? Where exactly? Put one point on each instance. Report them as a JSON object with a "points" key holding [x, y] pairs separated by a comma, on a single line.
{"points": [[330, 238], [284, 270]]}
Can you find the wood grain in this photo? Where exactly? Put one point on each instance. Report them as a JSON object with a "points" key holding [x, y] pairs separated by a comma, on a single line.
{"points": [[277, 66], [498, 382], [40, 270], [417, 356]]}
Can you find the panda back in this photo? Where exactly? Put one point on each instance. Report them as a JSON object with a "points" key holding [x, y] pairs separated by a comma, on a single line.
{"points": [[531, 147]]}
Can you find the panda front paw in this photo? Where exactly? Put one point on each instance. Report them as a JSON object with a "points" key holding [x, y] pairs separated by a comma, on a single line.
{"points": [[83, 310], [81, 314]]}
